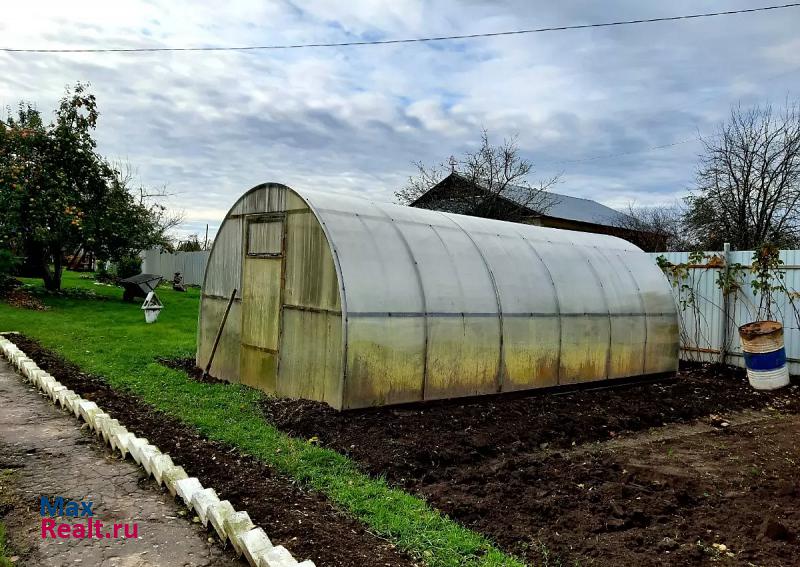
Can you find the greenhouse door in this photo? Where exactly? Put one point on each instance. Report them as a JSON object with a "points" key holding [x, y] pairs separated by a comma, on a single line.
{"points": [[261, 299]]}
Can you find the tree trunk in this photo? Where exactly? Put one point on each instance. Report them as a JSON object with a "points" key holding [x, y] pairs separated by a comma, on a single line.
{"points": [[51, 280]]}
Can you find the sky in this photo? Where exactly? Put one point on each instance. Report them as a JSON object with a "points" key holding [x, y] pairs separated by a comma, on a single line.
{"points": [[593, 105]]}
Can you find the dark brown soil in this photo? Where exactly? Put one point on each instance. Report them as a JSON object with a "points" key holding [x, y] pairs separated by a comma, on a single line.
{"points": [[532, 474], [303, 521], [421, 444]]}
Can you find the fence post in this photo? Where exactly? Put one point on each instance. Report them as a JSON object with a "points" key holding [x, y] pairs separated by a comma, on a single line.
{"points": [[723, 349]]}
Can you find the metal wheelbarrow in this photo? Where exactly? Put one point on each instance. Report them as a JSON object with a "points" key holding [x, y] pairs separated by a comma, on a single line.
{"points": [[139, 286]]}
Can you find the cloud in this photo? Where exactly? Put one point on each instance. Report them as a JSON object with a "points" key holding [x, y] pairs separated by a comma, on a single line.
{"points": [[210, 125]]}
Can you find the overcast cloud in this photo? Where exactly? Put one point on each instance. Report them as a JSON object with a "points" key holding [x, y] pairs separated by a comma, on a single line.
{"points": [[211, 125]]}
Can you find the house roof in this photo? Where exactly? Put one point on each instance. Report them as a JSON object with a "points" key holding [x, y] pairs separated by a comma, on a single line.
{"points": [[575, 208], [566, 207]]}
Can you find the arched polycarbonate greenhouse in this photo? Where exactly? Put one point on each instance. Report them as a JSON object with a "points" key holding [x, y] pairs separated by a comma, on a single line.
{"points": [[357, 303]]}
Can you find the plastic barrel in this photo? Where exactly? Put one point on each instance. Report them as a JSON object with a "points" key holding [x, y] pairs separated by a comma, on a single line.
{"points": [[764, 354]]}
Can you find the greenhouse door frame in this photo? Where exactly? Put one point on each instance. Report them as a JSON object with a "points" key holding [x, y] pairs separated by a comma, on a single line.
{"points": [[263, 273]]}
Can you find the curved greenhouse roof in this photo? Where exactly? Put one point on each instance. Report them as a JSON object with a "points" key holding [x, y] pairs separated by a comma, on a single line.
{"points": [[358, 303]]}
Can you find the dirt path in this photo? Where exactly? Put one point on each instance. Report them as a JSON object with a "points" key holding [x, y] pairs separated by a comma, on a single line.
{"points": [[43, 451]]}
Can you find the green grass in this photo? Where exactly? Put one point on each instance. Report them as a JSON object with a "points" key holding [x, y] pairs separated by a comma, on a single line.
{"points": [[110, 338], [5, 552]]}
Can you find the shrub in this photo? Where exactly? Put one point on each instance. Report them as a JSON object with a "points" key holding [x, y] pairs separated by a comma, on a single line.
{"points": [[8, 265], [128, 266]]}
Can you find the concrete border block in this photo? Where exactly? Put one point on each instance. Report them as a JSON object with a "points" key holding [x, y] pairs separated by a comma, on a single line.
{"points": [[43, 379], [254, 543], [97, 423], [147, 454], [36, 375], [54, 392], [277, 556], [158, 464], [171, 476], [201, 501], [72, 405], [62, 397], [87, 410], [134, 445], [186, 487], [307, 563], [49, 386], [27, 366], [108, 427], [76, 409], [218, 514], [235, 526], [121, 441]]}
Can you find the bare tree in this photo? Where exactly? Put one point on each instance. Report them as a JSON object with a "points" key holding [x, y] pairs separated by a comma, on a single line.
{"points": [[748, 181], [655, 228], [491, 182], [165, 219]]}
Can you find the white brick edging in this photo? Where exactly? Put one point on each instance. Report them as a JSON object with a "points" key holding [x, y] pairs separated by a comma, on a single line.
{"points": [[230, 525]]}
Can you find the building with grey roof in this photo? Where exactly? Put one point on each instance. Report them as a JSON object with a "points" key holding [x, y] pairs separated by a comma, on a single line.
{"points": [[457, 194]]}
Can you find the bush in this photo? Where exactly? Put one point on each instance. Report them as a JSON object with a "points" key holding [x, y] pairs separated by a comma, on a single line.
{"points": [[103, 275], [129, 266], [8, 265]]}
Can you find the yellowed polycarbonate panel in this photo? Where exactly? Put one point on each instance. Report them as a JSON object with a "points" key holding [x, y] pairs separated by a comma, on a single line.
{"points": [[662, 322], [585, 324], [584, 348], [455, 284], [265, 237], [258, 368], [294, 202], [260, 322], [269, 197], [226, 359], [311, 356], [224, 267], [531, 328], [310, 272], [463, 356], [261, 302], [385, 361], [662, 348], [626, 310], [378, 271], [531, 348]]}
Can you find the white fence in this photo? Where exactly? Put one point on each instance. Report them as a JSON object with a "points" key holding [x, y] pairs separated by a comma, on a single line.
{"points": [[709, 327], [192, 265]]}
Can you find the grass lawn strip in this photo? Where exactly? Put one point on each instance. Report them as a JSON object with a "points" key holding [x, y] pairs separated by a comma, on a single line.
{"points": [[110, 338], [5, 552]]}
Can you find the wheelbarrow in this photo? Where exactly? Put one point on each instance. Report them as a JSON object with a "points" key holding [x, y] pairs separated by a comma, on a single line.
{"points": [[139, 286]]}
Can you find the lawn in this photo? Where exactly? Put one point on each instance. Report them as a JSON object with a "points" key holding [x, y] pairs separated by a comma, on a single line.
{"points": [[108, 337]]}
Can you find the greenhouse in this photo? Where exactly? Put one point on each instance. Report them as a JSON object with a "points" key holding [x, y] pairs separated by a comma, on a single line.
{"points": [[359, 303]]}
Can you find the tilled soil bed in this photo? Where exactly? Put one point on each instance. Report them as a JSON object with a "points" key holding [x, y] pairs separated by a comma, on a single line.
{"points": [[303, 521], [583, 477]]}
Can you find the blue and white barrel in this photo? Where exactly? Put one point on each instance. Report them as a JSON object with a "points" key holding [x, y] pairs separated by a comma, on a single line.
{"points": [[764, 354]]}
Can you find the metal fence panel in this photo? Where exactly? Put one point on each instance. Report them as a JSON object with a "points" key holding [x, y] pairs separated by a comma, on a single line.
{"points": [[707, 332], [192, 265]]}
